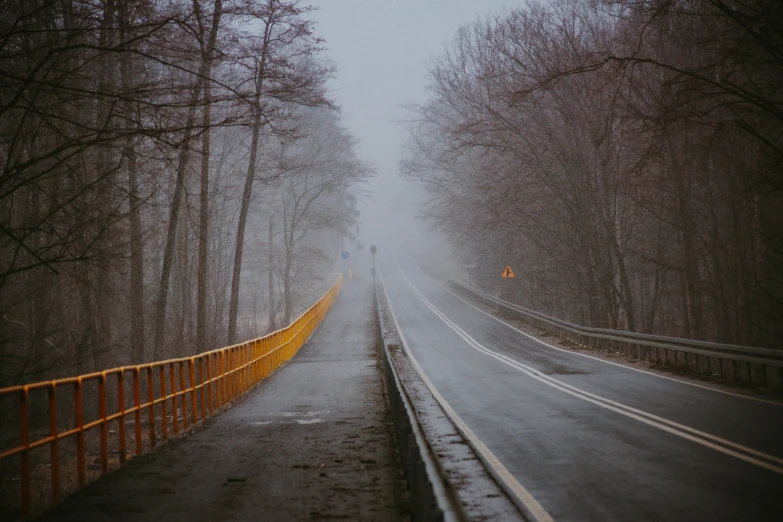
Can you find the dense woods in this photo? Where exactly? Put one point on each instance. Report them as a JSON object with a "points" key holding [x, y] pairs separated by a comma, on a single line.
{"points": [[625, 157], [173, 178]]}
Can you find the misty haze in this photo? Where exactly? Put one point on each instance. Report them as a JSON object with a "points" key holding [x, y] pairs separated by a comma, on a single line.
{"points": [[391, 260]]}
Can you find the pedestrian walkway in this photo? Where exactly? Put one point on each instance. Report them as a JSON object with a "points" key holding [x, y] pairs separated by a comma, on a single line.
{"points": [[314, 441]]}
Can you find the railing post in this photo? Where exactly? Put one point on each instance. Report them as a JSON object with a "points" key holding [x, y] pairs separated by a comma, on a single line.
{"points": [[209, 384], [151, 407], [54, 449], [231, 372], [192, 373], [24, 439], [203, 384], [79, 422], [137, 410], [163, 417], [173, 383], [104, 428], [223, 383], [121, 411], [254, 362], [184, 393]]}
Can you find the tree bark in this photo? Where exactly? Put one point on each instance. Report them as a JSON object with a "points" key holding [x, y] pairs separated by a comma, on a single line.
{"points": [[134, 225], [168, 254], [203, 236], [271, 274], [247, 193]]}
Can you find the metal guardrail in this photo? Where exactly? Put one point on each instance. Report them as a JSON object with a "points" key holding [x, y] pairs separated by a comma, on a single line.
{"points": [[202, 384], [432, 496], [762, 366]]}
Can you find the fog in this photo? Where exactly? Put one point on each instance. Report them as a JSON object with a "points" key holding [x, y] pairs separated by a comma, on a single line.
{"points": [[190, 189], [375, 82]]}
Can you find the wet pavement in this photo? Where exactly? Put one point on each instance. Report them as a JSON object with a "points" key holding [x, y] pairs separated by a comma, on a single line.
{"points": [[312, 442], [591, 440]]}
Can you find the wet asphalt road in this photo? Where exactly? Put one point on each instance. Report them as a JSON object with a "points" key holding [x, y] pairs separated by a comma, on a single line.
{"points": [[312, 442], [582, 457]]}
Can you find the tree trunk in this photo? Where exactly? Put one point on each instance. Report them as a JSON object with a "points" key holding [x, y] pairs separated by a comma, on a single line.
{"points": [[203, 235], [690, 259], [271, 263], [103, 292], [246, 194], [134, 225], [287, 283], [237, 270], [137, 257], [168, 254]]}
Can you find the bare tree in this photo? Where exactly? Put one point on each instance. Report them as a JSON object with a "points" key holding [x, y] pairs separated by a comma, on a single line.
{"points": [[283, 73]]}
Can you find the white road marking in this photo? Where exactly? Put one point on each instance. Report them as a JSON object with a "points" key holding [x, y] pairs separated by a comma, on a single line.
{"points": [[619, 365], [289, 414], [295, 421], [686, 432], [531, 507], [300, 413]]}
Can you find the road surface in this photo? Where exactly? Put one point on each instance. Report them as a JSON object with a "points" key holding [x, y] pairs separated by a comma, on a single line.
{"points": [[588, 439]]}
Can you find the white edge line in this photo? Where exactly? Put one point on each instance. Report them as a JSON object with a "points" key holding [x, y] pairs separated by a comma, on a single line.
{"points": [[534, 509], [671, 427], [717, 390]]}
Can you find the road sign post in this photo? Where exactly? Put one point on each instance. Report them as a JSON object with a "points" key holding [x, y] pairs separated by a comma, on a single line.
{"points": [[508, 273], [373, 250]]}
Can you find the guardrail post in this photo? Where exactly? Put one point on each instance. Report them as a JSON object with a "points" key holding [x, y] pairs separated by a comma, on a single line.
{"points": [[54, 446], [79, 422], [209, 385], [233, 375], [104, 428], [254, 358], [184, 396], [151, 408], [173, 385], [192, 374], [163, 417], [243, 352], [203, 384], [137, 410], [24, 439], [121, 411], [224, 378]]}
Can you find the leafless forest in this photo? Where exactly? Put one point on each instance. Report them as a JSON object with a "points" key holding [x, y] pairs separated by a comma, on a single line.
{"points": [[153, 151], [625, 157]]}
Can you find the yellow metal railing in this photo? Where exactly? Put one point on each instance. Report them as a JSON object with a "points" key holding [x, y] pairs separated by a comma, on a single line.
{"points": [[201, 384]]}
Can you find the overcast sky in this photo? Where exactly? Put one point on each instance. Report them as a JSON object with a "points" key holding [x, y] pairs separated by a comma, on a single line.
{"points": [[381, 49]]}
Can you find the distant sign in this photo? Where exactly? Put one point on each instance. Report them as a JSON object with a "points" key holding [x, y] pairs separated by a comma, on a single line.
{"points": [[373, 250], [346, 255], [507, 273]]}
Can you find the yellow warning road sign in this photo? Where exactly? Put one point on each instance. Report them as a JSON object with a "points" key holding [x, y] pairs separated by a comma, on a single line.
{"points": [[507, 273]]}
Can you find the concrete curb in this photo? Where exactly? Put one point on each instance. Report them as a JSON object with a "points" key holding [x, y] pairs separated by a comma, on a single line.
{"points": [[433, 498]]}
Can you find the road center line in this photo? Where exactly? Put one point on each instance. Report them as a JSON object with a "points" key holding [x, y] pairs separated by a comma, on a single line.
{"points": [[727, 447], [624, 366]]}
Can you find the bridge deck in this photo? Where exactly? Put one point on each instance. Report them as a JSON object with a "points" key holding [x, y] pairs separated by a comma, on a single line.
{"points": [[313, 441]]}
